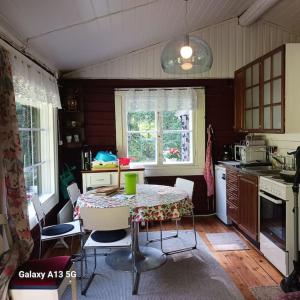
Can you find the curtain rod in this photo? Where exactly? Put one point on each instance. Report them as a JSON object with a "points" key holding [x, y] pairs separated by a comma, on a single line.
{"points": [[23, 52], [155, 89]]}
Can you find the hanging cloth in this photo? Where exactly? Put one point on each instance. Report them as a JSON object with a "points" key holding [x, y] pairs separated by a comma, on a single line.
{"points": [[208, 169], [13, 201]]}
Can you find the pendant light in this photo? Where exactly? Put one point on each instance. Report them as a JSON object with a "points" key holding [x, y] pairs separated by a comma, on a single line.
{"points": [[186, 54]]}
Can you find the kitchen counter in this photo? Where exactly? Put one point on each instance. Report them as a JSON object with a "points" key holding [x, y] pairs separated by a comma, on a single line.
{"points": [[113, 170], [253, 170]]}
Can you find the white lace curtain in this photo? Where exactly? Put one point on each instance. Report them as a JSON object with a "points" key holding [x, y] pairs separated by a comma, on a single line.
{"points": [[180, 99], [32, 84]]}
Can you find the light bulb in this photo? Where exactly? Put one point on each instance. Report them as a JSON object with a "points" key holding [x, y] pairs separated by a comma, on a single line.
{"points": [[186, 51], [186, 66]]}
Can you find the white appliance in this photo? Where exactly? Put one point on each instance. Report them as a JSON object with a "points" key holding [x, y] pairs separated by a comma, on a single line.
{"points": [[250, 154], [220, 185], [276, 222]]}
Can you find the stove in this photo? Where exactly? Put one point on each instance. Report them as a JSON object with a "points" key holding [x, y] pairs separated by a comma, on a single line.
{"points": [[276, 222], [276, 186]]}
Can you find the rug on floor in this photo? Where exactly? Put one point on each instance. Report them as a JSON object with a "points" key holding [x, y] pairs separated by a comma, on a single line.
{"points": [[226, 241], [266, 292], [188, 276]]}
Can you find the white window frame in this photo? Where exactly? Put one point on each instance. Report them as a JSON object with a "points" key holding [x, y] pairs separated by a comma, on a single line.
{"points": [[49, 159], [181, 168]]}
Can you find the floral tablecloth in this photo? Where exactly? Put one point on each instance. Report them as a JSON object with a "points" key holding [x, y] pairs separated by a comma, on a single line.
{"points": [[151, 202]]}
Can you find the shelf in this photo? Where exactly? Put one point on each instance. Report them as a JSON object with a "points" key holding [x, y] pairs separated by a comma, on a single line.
{"points": [[72, 145]]}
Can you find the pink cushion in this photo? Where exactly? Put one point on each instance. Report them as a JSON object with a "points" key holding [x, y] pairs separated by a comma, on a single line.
{"points": [[48, 266]]}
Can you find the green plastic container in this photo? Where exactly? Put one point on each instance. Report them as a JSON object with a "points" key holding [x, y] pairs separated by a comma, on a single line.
{"points": [[131, 180]]}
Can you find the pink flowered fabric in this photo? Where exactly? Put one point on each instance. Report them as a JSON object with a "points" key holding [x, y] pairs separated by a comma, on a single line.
{"points": [[12, 185], [208, 172], [151, 203]]}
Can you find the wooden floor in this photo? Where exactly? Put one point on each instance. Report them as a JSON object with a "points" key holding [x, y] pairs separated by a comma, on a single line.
{"points": [[247, 268]]}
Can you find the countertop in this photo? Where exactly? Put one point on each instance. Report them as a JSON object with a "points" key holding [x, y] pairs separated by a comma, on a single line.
{"points": [[253, 170], [113, 170]]}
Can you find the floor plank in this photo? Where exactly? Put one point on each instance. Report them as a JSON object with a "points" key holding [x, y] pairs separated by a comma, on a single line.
{"points": [[247, 268]]}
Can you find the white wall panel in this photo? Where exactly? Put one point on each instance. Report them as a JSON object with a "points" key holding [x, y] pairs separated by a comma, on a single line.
{"points": [[232, 45]]}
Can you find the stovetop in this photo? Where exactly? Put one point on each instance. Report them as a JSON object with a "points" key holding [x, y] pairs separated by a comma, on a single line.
{"points": [[276, 186]]}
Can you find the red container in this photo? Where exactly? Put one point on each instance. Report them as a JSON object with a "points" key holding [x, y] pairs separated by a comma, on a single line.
{"points": [[124, 161]]}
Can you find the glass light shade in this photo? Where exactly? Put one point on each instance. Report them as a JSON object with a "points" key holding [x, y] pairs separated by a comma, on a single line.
{"points": [[186, 51], [201, 59]]}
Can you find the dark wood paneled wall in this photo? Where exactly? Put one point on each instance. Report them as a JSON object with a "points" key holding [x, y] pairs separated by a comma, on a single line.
{"points": [[100, 130]]}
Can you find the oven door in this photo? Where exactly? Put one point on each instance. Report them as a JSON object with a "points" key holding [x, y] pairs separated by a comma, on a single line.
{"points": [[273, 219]]}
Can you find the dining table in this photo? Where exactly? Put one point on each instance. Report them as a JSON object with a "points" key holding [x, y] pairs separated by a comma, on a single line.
{"points": [[150, 203]]}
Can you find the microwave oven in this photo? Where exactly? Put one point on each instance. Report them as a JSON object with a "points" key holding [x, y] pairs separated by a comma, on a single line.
{"points": [[250, 154]]}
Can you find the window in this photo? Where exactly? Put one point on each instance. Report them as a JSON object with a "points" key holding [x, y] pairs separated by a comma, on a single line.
{"points": [[160, 137], [161, 128], [36, 136]]}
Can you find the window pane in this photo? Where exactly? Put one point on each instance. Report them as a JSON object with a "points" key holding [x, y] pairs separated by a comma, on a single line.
{"points": [[267, 68], [29, 181], [25, 139], [255, 92], [249, 98], [142, 147], [173, 120], [267, 117], [37, 180], [248, 77], [277, 117], [255, 118], [36, 117], [36, 146], [255, 70], [141, 121], [277, 91], [267, 93], [277, 64], [177, 147], [23, 115]]}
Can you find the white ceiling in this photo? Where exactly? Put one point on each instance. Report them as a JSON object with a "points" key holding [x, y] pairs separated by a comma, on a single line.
{"points": [[76, 33]]}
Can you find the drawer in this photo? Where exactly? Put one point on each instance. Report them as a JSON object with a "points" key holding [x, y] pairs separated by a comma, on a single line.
{"points": [[233, 212], [98, 179]]}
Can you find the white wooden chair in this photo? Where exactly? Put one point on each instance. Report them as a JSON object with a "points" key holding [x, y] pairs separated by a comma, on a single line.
{"points": [[104, 221], [34, 288], [54, 232], [188, 186], [73, 192]]}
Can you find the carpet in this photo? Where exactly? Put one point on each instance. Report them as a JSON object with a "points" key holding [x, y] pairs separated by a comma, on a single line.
{"points": [[226, 241], [266, 292], [188, 276]]}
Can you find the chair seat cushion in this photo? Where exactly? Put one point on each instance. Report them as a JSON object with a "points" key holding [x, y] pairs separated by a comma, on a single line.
{"points": [[108, 236], [53, 270], [57, 229]]}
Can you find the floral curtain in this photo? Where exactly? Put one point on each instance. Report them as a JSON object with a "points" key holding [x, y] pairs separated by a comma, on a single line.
{"points": [[12, 195]]}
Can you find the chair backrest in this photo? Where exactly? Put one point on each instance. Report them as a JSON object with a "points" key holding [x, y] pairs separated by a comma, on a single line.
{"points": [[38, 208], [73, 192], [186, 185], [66, 213], [112, 218]]}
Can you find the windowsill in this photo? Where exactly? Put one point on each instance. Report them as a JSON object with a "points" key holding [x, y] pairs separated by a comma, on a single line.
{"points": [[173, 170], [48, 202]]}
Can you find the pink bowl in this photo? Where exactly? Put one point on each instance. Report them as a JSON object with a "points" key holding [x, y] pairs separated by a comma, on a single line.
{"points": [[124, 161]]}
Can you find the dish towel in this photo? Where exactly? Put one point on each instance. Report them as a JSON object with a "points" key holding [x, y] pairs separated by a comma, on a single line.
{"points": [[208, 171]]}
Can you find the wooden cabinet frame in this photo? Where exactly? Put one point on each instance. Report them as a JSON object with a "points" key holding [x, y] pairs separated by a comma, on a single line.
{"points": [[241, 88]]}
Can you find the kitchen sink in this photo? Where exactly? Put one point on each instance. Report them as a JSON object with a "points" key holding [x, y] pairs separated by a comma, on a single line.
{"points": [[262, 170]]}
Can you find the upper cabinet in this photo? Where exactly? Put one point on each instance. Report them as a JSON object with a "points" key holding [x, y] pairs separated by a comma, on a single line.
{"points": [[260, 94]]}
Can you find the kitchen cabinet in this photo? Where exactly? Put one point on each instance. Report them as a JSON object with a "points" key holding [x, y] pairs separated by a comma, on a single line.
{"points": [[93, 179], [260, 94], [248, 204], [232, 200], [242, 201]]}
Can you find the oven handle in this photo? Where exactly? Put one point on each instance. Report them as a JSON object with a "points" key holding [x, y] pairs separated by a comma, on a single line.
{"points": [[276, 201]]}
